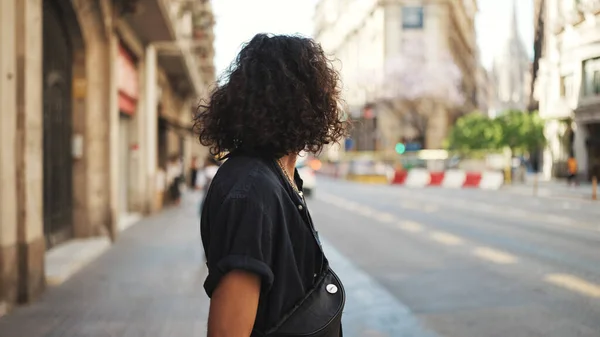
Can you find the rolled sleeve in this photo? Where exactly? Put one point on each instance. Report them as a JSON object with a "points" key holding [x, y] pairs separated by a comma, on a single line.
{"points": [[239, 262], [240, 239]]}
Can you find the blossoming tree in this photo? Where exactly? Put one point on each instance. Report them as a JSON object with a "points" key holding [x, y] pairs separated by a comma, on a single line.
{"points": [[416, 84]]}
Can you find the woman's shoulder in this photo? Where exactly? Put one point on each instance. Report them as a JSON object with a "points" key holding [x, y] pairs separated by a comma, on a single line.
{"points": [[247, 176]]}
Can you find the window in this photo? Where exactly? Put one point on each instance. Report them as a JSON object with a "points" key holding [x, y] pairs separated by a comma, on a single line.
{"points": [[591, 77], [412, 17], [566, 86], [596, 83]]}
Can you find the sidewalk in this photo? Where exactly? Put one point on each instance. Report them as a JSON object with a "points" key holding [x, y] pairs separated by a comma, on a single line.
{"points": [[149, 283]]}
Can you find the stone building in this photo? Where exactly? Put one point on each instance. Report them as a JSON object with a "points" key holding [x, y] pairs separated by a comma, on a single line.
{"points": [[568, 85], [510, 72], [538, 48], [419, 41], [85, 85], [485, 90]]}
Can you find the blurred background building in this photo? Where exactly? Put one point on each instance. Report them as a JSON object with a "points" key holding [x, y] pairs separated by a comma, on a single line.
{"points": [[96, 96], [371, 38], [568, 84], [510, 73]]}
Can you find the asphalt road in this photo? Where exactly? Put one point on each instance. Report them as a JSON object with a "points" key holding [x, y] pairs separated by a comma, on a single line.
{"points": [[472, 263]]}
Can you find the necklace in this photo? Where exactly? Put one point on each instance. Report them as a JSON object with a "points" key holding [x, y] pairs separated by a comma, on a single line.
{"points": [[289, 179]]}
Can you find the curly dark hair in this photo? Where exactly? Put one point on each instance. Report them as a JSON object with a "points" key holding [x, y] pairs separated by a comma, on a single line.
{"points": [[282, 96]]}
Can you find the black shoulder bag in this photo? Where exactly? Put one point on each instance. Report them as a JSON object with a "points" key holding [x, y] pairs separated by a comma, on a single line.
{"points": [[318, 314]]}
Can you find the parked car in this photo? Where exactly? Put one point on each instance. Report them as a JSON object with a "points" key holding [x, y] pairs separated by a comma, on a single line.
{"points": [[307, 174]]}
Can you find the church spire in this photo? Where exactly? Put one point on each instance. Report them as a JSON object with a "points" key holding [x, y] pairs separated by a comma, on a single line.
{"points": [[514, 29]]}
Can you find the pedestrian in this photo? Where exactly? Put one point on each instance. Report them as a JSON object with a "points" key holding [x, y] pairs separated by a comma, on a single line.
{"points": [[267, 273], [174, 178], [572, 167], [194, 168]]}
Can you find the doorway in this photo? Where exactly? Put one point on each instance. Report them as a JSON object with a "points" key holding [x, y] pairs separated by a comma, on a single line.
{"points": [[57, 128]]}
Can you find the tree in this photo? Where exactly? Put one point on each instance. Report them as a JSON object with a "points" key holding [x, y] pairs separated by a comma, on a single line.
{"points": [[522, 132], [475, 132], [519, 131], [415, 83]]}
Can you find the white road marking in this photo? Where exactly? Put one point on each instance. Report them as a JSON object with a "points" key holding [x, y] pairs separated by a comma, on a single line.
{"points": [[494, 255], [484, 208], [517, 212], [364, 210], [574, 283], [349, 205], [447, 238], [431, 209], [501, 210], [410, 226], [383, 217], [410, 205]]}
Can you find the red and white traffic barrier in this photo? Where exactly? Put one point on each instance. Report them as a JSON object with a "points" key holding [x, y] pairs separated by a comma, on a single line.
{"points": [[489, 180]]}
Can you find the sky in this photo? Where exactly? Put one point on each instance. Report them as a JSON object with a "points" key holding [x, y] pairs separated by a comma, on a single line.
{"points": [[237, 21]]}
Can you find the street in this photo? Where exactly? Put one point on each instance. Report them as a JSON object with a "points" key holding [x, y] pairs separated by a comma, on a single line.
{"points": [[471, 262], [415, 262]]}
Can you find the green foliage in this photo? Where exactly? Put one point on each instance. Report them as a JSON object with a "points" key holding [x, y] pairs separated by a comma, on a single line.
{"points": [[520, 131], [475, 132]]}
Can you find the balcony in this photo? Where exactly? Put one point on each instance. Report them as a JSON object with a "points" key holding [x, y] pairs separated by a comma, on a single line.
{"points": [[168, 25], [203, 35], [152, 20]]}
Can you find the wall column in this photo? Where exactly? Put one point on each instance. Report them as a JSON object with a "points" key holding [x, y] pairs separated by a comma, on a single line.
{"points": [[137, 173], [150, 125], [30, 156], [138, 183], [8, 123], [113, 121], [94, 205]]}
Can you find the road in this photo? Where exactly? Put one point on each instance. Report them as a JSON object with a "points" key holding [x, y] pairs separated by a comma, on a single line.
{"points": [[471, 262], [414, 262]]}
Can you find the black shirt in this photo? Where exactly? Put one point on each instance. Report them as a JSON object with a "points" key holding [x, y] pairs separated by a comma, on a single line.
{"points": [[253, 220]]}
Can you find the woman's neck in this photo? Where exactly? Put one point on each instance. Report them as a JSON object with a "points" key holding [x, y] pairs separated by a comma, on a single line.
{"points": [[289, 163]]}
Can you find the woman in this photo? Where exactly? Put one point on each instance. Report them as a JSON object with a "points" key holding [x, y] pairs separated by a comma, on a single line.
{"points": [[267, 274]]}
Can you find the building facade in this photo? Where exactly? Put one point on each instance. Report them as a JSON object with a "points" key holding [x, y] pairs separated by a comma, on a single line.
{"points": [[86, 85], [511, 71], [373, 39], [568, 86], [539, 8]]}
